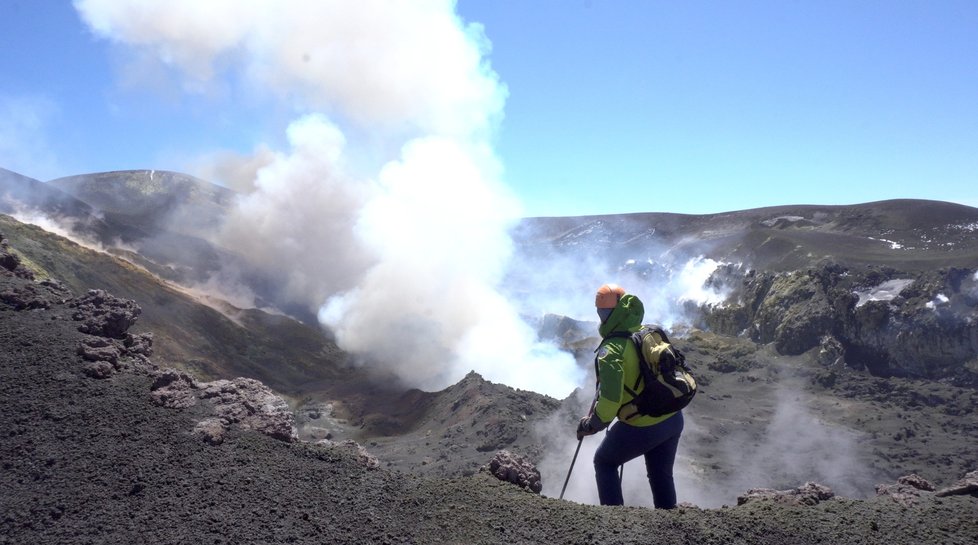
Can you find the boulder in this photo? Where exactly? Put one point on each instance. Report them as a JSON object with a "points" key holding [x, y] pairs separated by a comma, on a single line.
{"points": [[105, 315], [515, 469]]}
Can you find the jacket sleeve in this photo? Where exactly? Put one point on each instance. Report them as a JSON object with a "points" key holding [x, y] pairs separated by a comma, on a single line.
{"points": [[611, 383]]}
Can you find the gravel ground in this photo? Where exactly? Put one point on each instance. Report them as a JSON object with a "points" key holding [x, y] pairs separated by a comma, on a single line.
{"points": [[94, 461]]}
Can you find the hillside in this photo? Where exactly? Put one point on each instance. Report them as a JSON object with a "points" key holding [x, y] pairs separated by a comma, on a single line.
{"points": [[909, 234], [90, 458]]}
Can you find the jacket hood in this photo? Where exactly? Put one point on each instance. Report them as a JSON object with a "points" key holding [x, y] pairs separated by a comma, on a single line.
{"points": [[627, 316]]}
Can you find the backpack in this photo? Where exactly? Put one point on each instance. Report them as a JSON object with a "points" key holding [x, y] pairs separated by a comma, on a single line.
{"points": [[668, 380]]}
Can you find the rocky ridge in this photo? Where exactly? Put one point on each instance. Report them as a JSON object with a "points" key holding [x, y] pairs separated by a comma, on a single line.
{"points": [[892, 323]]}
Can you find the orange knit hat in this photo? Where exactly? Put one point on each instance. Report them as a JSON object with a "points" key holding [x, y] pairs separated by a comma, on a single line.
{"points": [[608, 296]]}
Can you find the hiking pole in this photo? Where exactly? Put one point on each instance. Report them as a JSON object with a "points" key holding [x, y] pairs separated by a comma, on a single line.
{"points": [[567, 480], [621, 474]]}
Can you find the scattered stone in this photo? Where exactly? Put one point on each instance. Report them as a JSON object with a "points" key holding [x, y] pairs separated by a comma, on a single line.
{"points": [[907, 489], [962, 487], [515, 469], [807, 494]]}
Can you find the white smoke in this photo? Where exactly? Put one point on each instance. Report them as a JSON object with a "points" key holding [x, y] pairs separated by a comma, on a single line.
{"points": [[300, 217], [388, 209], [232, 169], [383, 64]]}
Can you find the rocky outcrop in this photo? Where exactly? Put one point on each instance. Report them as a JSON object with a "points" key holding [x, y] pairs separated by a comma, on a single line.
{"points": [[890, 323], [806, 494], [907, 489], [515, 469], [967, 485], [105, 315], [240, 403]]}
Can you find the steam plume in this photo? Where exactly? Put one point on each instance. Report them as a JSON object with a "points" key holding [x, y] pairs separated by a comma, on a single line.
{"points": [[400, 236]]}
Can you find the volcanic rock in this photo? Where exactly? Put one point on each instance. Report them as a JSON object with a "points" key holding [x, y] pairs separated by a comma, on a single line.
{"points": [[99, 349], [964, 486], [105, 315], [515, 469], [806, 494], [907, 489], [241, 403], [922, 324]]}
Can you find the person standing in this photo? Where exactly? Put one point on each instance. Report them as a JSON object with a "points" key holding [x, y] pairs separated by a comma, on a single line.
{"points": [[654, 437]]}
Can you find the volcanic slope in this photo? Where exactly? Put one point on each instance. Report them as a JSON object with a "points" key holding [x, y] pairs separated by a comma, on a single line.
{"points": [[919, 426], [335, 397], [93, 460]]}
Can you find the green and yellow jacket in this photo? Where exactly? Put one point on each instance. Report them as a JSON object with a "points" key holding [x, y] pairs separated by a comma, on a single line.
{"points": [[616, 366]]}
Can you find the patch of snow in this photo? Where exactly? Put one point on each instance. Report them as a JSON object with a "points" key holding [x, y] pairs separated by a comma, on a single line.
{"points": [[790, 219], [884, 292], [970, 227], [893, 244], [941, 299]]}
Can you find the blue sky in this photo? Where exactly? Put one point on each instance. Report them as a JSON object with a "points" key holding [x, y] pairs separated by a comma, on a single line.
{"points": [[612, 107]]}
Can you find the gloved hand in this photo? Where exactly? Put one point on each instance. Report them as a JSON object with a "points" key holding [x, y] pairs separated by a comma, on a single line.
{"points": [[585, 427]]}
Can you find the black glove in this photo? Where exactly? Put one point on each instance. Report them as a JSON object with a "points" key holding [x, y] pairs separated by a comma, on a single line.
{"points": [[585, 427]]}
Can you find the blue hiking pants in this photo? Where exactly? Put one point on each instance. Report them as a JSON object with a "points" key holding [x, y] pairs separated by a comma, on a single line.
{"points": [[625, 442]]}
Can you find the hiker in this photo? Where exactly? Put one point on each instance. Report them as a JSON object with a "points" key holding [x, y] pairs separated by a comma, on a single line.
{"points": [[634, 435]]}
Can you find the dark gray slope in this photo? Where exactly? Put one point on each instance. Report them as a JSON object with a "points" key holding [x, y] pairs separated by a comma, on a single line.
{"points": [[93, 461]]}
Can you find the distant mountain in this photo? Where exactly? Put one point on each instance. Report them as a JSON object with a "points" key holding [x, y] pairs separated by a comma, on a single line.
{"points": [[152, 199], [910, 234], [22, 195]]}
